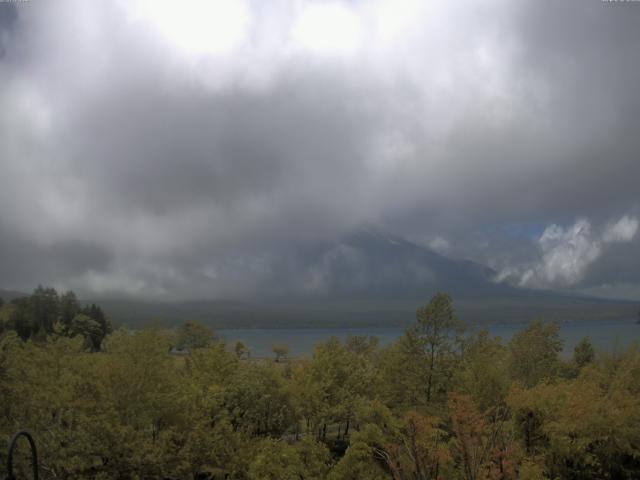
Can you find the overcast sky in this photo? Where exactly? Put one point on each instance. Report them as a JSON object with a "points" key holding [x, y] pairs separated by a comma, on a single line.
{"points": [[174, 149]]}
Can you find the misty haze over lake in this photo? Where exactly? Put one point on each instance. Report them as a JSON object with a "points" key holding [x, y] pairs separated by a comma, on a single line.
{"points": [[608, 335]]}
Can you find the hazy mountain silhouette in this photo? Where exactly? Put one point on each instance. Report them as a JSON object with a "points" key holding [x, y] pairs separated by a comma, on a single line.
{"points": [[378, 265], [8, 295], [371, 278]]}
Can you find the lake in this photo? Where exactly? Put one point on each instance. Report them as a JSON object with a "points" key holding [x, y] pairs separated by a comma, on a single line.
{"points": [[604, 334]]}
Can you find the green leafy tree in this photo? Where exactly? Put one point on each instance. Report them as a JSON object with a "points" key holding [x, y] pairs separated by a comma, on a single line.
{"points": [[21, 319], [535, 353], [401, 373], [7, 312], [95, 312], [306, 396], [257, 402], [241, 349], [435, 339], [276, 460], [359, 462], [339, 379], [194, 335], [68, 309], [584, 353], [281, 351], [87, 328], [483, 372], [43, 308]]}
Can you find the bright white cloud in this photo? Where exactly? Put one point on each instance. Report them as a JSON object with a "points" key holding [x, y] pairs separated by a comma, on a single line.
{"points": [[622, 231], [567, 253], [328, 28], [195, 26]]}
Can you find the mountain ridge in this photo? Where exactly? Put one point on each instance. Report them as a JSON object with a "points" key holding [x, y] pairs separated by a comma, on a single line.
{"points": [[372, 278], [366, 278]]}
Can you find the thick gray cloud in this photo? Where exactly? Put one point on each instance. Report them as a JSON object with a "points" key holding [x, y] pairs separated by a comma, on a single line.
{"points": [[8, 17], [183, 149]]}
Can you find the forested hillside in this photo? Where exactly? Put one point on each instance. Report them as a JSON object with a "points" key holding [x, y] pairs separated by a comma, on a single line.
{"points": [[437, 404]]}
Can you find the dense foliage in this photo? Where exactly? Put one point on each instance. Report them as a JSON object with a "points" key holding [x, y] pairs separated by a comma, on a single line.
{"points": [[436, 404], [45, 313]]}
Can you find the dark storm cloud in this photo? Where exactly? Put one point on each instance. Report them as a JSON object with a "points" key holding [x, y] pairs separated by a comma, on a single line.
{"points": [[144, 158], [8, 16]]}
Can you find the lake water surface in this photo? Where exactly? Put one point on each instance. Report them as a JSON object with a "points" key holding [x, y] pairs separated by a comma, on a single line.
{"points": [[604, 334]]}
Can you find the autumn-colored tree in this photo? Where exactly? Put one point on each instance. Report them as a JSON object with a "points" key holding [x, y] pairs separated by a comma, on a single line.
{"points": [[477, 446], [418, 449]]}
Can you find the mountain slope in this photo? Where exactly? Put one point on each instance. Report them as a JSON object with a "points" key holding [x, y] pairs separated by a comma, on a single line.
{"points": [[8, 295], [379, 265], [375, 279]]}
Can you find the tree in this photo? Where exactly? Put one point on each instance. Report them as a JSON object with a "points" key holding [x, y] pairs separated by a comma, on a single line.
{"points": [[20, 319], [213, 367], [43, 309], [579, 429], [87, 328], [358, 463], [418, 449], [241, 349], [315, 459], [339, 379], [437, 333], [362, 344], [584, 353], [6, 316], [68, 308], [535, 353], [407, 447], [401, 373], [45, 312], [275, 460], [306, 396], [483, 373], [476, 438], [95, 312], [281, 351], [193, 335], [257, 402]]}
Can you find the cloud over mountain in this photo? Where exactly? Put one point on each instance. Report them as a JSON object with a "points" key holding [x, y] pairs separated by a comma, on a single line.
{"points": [[567, 253], [150, 148]]}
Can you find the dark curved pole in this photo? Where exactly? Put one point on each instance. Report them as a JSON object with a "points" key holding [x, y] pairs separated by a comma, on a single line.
{"points": [[34, 454]]}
